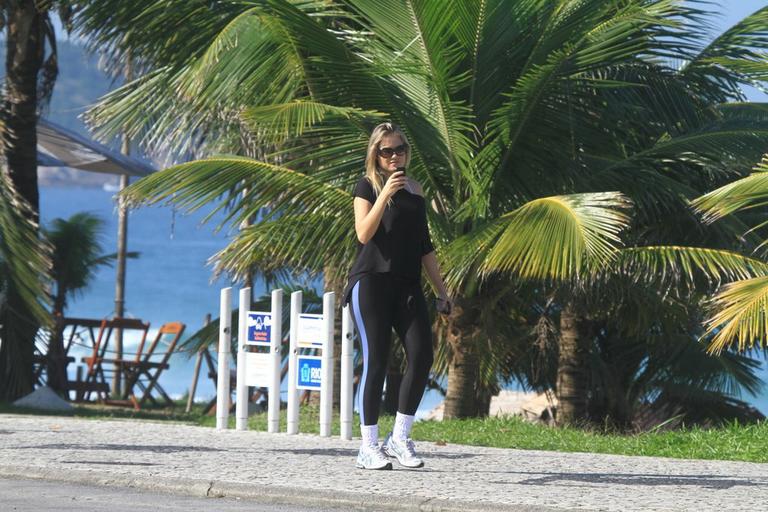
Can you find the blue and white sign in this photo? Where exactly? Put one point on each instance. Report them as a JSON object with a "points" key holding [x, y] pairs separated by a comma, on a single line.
{"points": [[310, 332], [259, 328], [310, 372]]}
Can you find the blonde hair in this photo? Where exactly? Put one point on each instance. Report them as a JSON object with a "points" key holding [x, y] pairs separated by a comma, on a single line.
{"points": [[372, 171]]}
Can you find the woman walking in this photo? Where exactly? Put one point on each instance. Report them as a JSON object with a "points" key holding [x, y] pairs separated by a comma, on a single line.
{"points": [[384, 291]]}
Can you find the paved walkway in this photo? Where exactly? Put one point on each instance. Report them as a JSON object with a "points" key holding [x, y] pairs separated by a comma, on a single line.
{"points": [[306, 469]]}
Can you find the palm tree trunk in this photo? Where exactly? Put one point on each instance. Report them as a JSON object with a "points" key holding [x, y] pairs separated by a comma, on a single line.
{"points": [[56, 360], [464, 367], [24, 59], [572, 371], [17, 350], [619, 411], [462, 377], [335, 284]]}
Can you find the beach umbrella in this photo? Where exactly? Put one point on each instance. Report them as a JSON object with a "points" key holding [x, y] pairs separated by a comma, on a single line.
{"points": [[60, 147]]}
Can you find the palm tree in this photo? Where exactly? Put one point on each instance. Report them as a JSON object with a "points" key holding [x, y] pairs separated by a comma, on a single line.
{"points": [[24, 263], [642, 362], [30, 74], [738, 311], [77, 254], [523, 116]]}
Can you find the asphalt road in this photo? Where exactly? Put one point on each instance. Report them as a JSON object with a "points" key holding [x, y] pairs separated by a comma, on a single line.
{"points": [[43, 496]]}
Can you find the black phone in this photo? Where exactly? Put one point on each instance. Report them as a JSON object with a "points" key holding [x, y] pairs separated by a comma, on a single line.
{"points": [[401, 169]]}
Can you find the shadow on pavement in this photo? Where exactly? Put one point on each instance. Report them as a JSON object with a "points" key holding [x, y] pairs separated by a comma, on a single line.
{"points": [[109, 463], [124, 447], [705, 481], [344, 452]]}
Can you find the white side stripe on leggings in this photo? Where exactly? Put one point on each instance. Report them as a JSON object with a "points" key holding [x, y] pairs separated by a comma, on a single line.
{"points": [[364, 345]]}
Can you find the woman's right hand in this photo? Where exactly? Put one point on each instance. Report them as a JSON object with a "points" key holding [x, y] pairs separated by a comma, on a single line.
{"points": [[395, 182]]}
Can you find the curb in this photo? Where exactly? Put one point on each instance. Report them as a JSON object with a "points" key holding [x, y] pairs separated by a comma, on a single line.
{"points": [[273, 495]]}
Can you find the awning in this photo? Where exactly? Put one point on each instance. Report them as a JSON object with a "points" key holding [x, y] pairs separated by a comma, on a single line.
{"points": [[60, 147]]}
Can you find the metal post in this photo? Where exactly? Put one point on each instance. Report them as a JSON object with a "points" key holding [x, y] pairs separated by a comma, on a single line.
{"points": [[120, 266], [222, 383], [275, 343], [122, 242], [347, 360], [293, 393], [241, 411], [326, 384]]}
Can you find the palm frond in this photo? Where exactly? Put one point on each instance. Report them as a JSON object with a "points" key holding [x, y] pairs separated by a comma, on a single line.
{"points": [[740, 315], [550, 238], [419, 53], [280, 122], [497, 36], [668, 265], [749, 192], [295, 220], [726, 145], [313, 242], [189, 106], [248, 185], [139, 31], [25, 258], [736, 56]]}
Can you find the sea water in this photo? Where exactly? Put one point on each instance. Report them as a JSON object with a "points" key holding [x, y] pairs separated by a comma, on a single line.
{"points": [[171, 279]]}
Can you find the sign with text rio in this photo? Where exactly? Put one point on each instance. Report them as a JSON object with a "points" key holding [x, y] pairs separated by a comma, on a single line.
{"points": [[310, 374]]}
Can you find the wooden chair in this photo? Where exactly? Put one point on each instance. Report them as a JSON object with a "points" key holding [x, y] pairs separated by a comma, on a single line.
{"points": [[144, 372], [47, 348], [76, 326], [95, 378]]}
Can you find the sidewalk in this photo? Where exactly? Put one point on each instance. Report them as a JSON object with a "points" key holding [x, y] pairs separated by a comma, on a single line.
{"points": [[306, 469]]}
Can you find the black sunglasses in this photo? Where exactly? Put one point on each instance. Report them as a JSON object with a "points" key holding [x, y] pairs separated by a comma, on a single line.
{"points": [[388, 152]]}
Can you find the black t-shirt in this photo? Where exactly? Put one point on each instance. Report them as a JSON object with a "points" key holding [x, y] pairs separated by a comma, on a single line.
{"points": [[400, 241]]}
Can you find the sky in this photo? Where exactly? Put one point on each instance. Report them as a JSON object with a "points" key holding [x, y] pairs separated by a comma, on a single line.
{"points": [[731, 12]]}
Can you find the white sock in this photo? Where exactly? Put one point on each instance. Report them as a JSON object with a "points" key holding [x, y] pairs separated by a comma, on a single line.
{"points": [[370, 434], [403, 424]]}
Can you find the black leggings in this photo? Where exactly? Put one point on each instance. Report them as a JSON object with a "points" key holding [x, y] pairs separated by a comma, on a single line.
{"points": [[379, 303]]}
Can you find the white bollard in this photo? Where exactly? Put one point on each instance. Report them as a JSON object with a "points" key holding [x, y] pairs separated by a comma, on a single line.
{"points": [[275, 343], [347, 361], [326, 385], [222, 382], [241, 407], [293, 393]]}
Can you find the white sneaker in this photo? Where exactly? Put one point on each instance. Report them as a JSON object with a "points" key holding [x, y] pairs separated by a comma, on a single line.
{"points": [[372, 457], [403, 451]]}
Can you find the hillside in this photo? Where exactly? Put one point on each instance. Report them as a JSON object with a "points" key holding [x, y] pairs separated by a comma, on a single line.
{"points": [[80, 84]]}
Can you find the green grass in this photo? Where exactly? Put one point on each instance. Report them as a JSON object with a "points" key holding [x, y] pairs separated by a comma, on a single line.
{"points": [[97, 411], [731, 442]]}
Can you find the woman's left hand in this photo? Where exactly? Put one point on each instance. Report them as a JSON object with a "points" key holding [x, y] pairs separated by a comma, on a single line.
{"points": [[444, 305]]}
